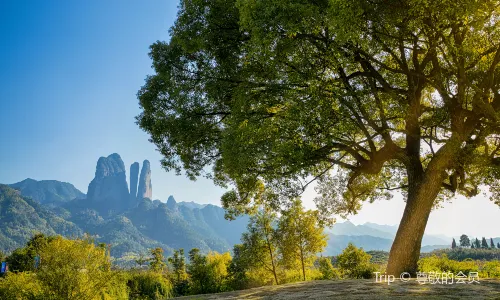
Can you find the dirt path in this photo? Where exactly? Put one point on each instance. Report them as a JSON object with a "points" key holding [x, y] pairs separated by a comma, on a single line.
{"points": [[364, 289]]}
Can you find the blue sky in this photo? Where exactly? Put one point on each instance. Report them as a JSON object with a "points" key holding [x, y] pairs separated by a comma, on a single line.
{"points": [[69, 74]]}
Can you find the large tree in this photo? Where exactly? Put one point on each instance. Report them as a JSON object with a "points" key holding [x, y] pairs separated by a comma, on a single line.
{"points": [[367, 97]]}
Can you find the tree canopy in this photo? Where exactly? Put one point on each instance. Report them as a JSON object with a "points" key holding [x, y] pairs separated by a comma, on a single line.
{"points": [[365, 96]]}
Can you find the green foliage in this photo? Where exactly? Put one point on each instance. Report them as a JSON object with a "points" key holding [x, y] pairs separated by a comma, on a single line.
{"points": [[484, 243], [464, 241], [327, 270], [74, 269], [20, 286], [477, 244], [21, 217], [434, 263], [149, 285], [68, 269], [355, 263], [23, 259], [260, 244], [209, 274], [366, 96], [157, 261], [378, 257], [461, 254], [179, 275], [237, 270], [300, 237]]}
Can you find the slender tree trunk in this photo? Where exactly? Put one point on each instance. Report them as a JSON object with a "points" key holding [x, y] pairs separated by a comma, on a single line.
{"points": [[302, 261], [269, 246], [272, 263]]}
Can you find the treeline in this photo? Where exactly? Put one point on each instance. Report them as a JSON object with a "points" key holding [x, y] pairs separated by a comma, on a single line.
{"points": [[460, 254], [466, 242], [57, 268]]}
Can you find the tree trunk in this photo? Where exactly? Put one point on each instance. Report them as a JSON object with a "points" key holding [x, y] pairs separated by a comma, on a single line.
{"points": [[272, 258], [422, 191], [274, 267], [302, 261]]}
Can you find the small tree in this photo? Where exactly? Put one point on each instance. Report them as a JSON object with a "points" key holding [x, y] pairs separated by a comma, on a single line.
{"points": [[464, 241], [74, 269], [355, 263], [301, 236], [260, 242], [498, 245], [141, 260], [157, 261], [178, 263], [492, 244], [472, 246], [23, 259], [198, 272], [477, 244], [484, 243], [453, 244], [326, 268]]}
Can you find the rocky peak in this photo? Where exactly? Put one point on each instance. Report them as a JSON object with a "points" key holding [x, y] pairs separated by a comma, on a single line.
{"points": [[171, 203], [108, 190], [134, 177], [145, 189]]}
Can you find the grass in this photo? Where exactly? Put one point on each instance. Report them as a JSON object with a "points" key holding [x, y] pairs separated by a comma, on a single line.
{"points": [[363, 289]]}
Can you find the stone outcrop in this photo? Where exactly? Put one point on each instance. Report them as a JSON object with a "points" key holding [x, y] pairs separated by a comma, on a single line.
{"points": [[171, 203], [145, 189], [108, 190], [134, 177]]}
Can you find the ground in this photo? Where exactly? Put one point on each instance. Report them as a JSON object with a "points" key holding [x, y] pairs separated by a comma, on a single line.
{"points": [[364, 289]]}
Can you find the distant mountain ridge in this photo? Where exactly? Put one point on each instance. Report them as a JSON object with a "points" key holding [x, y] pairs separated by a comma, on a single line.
{"points": [[371, 236], [48, 191]]}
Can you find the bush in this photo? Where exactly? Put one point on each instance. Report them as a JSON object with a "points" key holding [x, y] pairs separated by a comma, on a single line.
{"points": [[444, 264], [326, 268], [486, 269], [491, 269], [149, 285], [355, 263], [20, 286]]}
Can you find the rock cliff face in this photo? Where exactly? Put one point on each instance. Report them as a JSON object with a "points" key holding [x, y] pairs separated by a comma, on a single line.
{"points": [[108, 190], [134, 177], [145, 189]]}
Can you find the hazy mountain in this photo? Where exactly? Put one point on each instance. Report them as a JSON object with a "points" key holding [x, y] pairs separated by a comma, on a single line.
{"points": [[191, 204], [348, 228], [48, 191], [21, 217]]}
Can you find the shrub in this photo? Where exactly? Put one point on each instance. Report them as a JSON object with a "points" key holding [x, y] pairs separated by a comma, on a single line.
{"points": [[149, 285], [444, 264], [491, 269], [326, 268], [20, 286], [434, 263]]}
